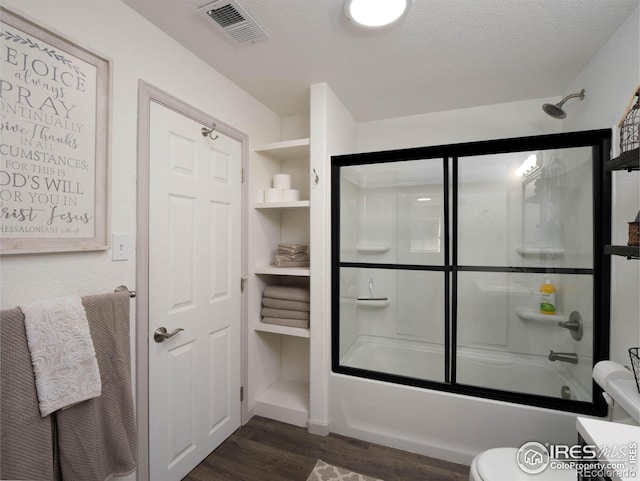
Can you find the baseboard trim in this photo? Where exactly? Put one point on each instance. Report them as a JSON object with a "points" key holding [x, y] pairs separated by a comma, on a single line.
{"points": [[318, 428]]}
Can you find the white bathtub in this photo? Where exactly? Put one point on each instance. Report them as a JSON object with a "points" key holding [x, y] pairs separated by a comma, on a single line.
{"points": [[500, 370], [441, 424]]}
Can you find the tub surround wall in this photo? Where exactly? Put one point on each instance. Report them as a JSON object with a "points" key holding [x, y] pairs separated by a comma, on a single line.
{"points": [[391, 216]]}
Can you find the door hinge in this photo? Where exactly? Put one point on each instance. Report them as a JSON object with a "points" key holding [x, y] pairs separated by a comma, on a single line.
{"points": [[241, 393], [243, 283], [242, 176]]}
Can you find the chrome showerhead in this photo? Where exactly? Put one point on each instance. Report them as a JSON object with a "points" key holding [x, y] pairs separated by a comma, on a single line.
{"points": [[555, 110]]}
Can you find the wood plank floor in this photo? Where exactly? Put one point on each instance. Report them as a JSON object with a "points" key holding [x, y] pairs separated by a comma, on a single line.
{"points": [[266, 450]]}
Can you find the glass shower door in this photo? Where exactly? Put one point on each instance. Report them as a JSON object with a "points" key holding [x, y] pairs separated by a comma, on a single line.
{"points": [[392, 268], [439, 255], [525, 218]]}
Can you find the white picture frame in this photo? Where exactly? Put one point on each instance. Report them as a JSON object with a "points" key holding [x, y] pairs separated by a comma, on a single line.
{"points": [[55, 118]]}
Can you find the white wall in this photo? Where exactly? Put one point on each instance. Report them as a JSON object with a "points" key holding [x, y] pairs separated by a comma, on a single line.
{"points": [[137, 50], [515, 119], [610, 80], [332, 133]]}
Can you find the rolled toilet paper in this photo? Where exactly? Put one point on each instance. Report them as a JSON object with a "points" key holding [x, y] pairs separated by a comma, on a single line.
{"points": [[273, 195], [290, 195], [282, 181], [606, 371]]}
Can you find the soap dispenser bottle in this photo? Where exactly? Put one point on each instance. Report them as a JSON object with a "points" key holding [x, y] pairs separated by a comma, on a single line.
{"points": [[547, 297]]}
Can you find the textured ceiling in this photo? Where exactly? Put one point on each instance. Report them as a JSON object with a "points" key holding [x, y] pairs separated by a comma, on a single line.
{"points": [[443, 55]]}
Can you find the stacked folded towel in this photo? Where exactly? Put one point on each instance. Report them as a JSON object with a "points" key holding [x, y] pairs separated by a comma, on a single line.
{"points": [[291, 255], [286, 306]]}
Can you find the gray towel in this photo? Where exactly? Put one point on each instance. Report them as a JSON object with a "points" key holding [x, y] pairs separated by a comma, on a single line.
{"points": [[286, 322], [26, 439], [281, 261], [300, 256], [282, 304], [283, 313], [98, 437], [290, 248], [288, 293]]}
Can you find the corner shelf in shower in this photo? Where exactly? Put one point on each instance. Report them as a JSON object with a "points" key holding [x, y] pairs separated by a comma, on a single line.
{"points": [[272, 270], [528, 314], [536, 251], [372, 248], [372, 303]]}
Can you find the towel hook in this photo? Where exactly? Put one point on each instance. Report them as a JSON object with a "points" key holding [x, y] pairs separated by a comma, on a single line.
{"points": [[207, 132], [132, 294], [317, 179]]}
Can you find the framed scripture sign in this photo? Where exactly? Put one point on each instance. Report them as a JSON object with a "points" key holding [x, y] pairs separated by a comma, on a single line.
{"points": [[54, 141]]}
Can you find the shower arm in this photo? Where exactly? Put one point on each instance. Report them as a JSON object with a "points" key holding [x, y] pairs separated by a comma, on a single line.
{"points": [[579, 94]]}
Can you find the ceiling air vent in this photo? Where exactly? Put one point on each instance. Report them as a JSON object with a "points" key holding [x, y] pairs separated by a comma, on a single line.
{"points": [[235, 21]]}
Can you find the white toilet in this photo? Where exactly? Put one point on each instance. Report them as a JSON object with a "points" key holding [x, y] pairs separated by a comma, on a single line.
{"points": [[500, 464]]}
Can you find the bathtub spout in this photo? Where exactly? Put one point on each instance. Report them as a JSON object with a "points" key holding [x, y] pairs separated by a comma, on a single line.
{"points": [[570, 357]]}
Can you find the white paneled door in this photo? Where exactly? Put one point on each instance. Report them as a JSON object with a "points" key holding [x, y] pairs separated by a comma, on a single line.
{"points": [[194, 285]]}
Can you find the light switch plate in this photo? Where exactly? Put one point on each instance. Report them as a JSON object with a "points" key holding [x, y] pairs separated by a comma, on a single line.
{"points": [[119, 247]]}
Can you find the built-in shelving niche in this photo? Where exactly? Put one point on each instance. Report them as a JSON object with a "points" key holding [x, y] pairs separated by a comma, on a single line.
{"points": [[283, 351]]}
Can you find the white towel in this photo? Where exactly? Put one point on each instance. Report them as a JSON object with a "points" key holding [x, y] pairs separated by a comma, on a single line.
{"points": [[62, 353]]}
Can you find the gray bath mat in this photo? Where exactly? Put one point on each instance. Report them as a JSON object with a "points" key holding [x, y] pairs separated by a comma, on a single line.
{"points": [[327, 472]]}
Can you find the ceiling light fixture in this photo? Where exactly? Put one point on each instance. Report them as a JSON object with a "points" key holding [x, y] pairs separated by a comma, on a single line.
{"points": [[375, 13], [528, 166]]}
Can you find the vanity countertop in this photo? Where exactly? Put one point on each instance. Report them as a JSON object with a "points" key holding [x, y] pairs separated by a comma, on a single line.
{"points": [[605, 434]]}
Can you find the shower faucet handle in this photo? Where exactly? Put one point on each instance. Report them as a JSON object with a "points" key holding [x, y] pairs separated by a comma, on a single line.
{"points": [[574, 324]]}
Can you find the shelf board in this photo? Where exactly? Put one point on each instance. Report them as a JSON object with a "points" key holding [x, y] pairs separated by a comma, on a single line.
{"points": [[285, 401], [287, 149], [530, 250], [282, 205], [626, 161], [283, 330], [372, 303], [527, 314], [625, 251], [372, 248], [282, 271]]}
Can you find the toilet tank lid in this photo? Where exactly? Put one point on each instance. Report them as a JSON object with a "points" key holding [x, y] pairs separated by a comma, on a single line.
{"points": [[501, 463]]}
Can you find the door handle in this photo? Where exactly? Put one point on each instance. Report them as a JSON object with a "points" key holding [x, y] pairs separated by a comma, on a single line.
{"points": [[161, 334]]}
